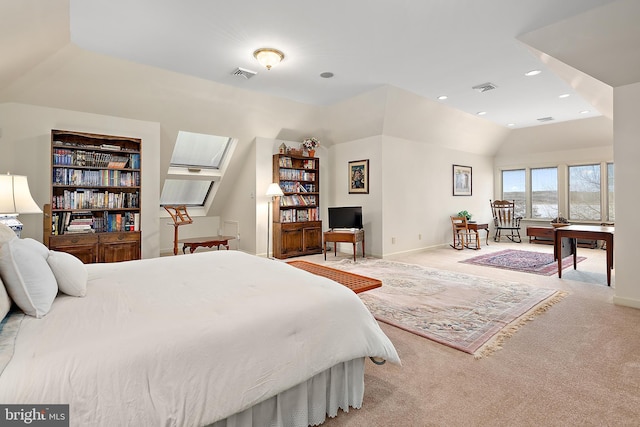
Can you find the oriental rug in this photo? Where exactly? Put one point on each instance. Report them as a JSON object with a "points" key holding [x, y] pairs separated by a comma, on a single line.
{"points": [[525, 261], [469, 313]]}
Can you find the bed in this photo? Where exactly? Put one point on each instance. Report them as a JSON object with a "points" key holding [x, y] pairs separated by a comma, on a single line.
{"points": [[214, 338]]}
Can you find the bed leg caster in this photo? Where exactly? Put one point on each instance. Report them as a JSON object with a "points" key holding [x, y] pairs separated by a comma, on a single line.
{"points": [[378, 360]]}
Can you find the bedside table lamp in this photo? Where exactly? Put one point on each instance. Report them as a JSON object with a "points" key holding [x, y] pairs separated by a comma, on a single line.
{"points": [[15, 198], [273, 191]]}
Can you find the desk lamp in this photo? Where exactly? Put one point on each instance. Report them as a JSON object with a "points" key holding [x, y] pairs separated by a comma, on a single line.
{"points": [[273, 191], [15, 198]]}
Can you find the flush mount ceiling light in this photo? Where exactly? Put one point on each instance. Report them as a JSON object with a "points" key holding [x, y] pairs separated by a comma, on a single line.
{"points": [[532, 73], [442, 97], [268, 57]]}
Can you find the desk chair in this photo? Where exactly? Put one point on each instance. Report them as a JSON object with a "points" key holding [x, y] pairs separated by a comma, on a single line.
{"points": [[463, 237], [180, 216]]}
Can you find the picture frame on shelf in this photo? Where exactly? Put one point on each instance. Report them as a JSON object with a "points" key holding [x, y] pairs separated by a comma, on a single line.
{"points": [[462, 180], [359, 177]]}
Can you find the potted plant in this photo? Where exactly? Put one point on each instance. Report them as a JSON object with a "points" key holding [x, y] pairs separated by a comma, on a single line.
{"points": [[310, 144], [465, 214]]}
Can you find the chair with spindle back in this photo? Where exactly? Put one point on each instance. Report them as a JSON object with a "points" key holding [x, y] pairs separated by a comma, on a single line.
{"points": [[504, 219]]}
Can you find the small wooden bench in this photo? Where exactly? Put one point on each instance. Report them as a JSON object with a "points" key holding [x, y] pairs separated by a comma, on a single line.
{"points": [[208, 242]]}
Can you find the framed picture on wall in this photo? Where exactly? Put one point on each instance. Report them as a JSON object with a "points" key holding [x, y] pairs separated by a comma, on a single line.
{"points": [[462, 180], [359, 177]]}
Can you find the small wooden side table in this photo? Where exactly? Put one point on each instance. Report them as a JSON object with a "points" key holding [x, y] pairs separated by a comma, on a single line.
{"points": [[475, 227], [343, 236]]}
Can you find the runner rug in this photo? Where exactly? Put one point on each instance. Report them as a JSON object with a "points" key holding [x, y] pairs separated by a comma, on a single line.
{"points": [[525, 261], [469, 313]]}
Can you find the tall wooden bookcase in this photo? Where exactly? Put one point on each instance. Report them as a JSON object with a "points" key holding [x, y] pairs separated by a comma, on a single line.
{"points": [[297, 229], [94, 211]]}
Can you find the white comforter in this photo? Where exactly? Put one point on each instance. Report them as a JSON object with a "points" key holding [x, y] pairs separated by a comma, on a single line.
{"points": [[186, 340]]}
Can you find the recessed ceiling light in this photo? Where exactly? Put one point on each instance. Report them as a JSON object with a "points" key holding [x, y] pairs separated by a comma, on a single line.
{"points": [[511, 124], [481, 113], [532, 73], [442, 97], [585, 112], [564, 95], [326, 75]]}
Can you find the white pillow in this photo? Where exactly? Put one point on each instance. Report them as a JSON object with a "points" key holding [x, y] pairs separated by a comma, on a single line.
{"points": [[27, 276], [70, 273], [5, 301], [6, 234]]}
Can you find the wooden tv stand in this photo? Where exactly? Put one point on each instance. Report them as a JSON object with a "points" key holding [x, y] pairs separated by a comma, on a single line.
{"points": [[345, 236]]}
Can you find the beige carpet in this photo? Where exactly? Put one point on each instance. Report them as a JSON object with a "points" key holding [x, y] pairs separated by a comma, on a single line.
{"points": [[576, 365]]}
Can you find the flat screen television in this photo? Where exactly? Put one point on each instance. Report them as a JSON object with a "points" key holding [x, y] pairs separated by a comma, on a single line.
{"points": [[345, 217]]}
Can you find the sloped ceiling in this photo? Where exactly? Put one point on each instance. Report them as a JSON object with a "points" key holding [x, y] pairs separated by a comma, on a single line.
{"points": [[30, 32], [603, 42]]}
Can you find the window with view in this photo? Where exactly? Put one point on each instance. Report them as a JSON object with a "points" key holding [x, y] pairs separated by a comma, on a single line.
{"points": [[544, 193], [584, 193], [513, 188]]}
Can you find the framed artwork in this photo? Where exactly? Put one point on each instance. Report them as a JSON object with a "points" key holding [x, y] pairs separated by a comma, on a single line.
{"points": [[359, 177], [462, 180]]}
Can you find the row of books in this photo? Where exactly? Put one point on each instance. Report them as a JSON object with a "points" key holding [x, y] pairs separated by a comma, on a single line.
{"points": [[296, 175], [286, 162], [94, 199], [85, 222], [297, 187], [297, 200], [111, 147], [68, 157], [299, 215], [105, 177]]}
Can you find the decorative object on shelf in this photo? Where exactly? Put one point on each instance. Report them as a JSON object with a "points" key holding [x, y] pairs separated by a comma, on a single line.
{"points": [[559, 221], [359, 177], [465, 214], [461, 180], [283, 148], [15, 199], [268, 57], [273, 191], [310, 144]]}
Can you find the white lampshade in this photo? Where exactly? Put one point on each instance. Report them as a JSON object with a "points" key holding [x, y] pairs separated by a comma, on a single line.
{"points": [[15, 197], [268, 57], [274, 190]]}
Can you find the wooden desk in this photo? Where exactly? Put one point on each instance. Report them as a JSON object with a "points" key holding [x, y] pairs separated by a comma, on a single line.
{"points": [[345, 237], [595, 232], [475, 227], [195, 242]]}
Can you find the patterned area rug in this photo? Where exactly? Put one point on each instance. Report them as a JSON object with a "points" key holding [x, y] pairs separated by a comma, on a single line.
{"points": [[469, 313], [526, 261]]}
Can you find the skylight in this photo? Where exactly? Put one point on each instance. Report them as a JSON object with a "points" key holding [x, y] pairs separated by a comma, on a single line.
{"points": [[197, 163]]}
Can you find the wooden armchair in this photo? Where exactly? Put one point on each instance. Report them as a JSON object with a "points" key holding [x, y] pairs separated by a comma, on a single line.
{"points": [[463, 237], [503, 212]]}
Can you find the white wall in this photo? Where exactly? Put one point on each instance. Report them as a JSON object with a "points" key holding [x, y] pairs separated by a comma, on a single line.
{"points": [[25, 143], [627, 158]]}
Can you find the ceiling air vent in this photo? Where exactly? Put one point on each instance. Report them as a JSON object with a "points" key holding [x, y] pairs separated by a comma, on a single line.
{"points": [[243, 72], [545, 119], [484, 87]]}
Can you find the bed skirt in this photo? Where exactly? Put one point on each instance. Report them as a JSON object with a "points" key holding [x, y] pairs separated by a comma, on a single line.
{"points": [[308, 403]]}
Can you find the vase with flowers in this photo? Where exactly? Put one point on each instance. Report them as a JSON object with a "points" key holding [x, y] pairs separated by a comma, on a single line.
{"points": [[310, 144]]}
